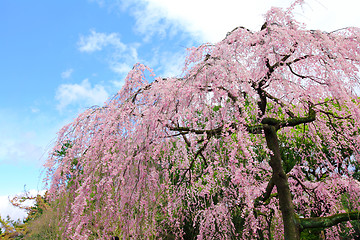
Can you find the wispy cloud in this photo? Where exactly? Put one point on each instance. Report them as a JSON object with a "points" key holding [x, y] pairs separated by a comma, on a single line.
{"points": [[100, 2], [121, 57], [20, 152], [97, 41], [34, 109], [24, 139], [120, 67], [167, 64], [19, 146], [83, 94], [152, 18], [122, 61], [209, 21], [206, 21], [67, 73]]}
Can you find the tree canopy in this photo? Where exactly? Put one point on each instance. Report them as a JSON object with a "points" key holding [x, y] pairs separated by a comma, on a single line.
{"points": [[257, 139]]}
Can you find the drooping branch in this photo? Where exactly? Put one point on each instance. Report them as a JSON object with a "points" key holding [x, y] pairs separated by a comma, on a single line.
{"points": [[334, 115], [268, 190], [230, 95], [291, 122], [210, 132], [278, 101], [235, 29], [267, 194], [299, 120], [309, 191], [143, 89], [198, 153], [329, 221], [303, 76], [271, 68]]}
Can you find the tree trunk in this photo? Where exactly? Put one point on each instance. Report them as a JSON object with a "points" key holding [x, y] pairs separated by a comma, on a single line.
{"points": [[291, 223]]}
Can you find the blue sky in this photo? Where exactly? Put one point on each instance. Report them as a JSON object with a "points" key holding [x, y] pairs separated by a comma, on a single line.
{"points": [[59, 57]]}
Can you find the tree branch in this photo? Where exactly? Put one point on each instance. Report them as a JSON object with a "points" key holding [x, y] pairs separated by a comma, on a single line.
{"points": [[325, 222], [255, 129], [334, 115], [267, 193], [303, 77], [291, 122], [299, 120], [211, 132], [291, 114]]}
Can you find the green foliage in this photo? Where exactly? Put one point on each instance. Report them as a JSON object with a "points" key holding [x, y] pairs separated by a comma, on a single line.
{"points": [[42, 221], [11, 229], [312, 234]]}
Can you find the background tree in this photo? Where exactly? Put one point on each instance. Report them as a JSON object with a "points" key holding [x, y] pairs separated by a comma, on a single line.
{"points": [[41, 221], [258, 139]]}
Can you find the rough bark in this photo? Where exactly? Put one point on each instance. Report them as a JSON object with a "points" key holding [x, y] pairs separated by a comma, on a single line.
{"points": [[291, 223], [324, 222]]}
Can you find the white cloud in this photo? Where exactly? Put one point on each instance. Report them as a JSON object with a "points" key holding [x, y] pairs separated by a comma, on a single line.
{"points": [[168, 64], [20, 151], [24, 139], [152, 18], [20, 147], [97, 41], [34, 109], [121, 58], [122, 61], [15, 213], [120, 67], [83, 94], [204, 20], [172, 64], [330, 15], [67, 73], [6, 209], [209, 21]]}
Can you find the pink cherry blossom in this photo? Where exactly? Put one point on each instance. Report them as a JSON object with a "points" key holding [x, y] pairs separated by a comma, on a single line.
{"points": [[259, 138]]}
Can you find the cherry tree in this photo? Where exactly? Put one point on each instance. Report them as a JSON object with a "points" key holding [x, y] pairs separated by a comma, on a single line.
{"points": [[258, 139]]}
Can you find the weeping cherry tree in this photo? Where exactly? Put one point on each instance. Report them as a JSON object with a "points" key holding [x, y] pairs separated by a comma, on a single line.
{"points": [[258, 139]]}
